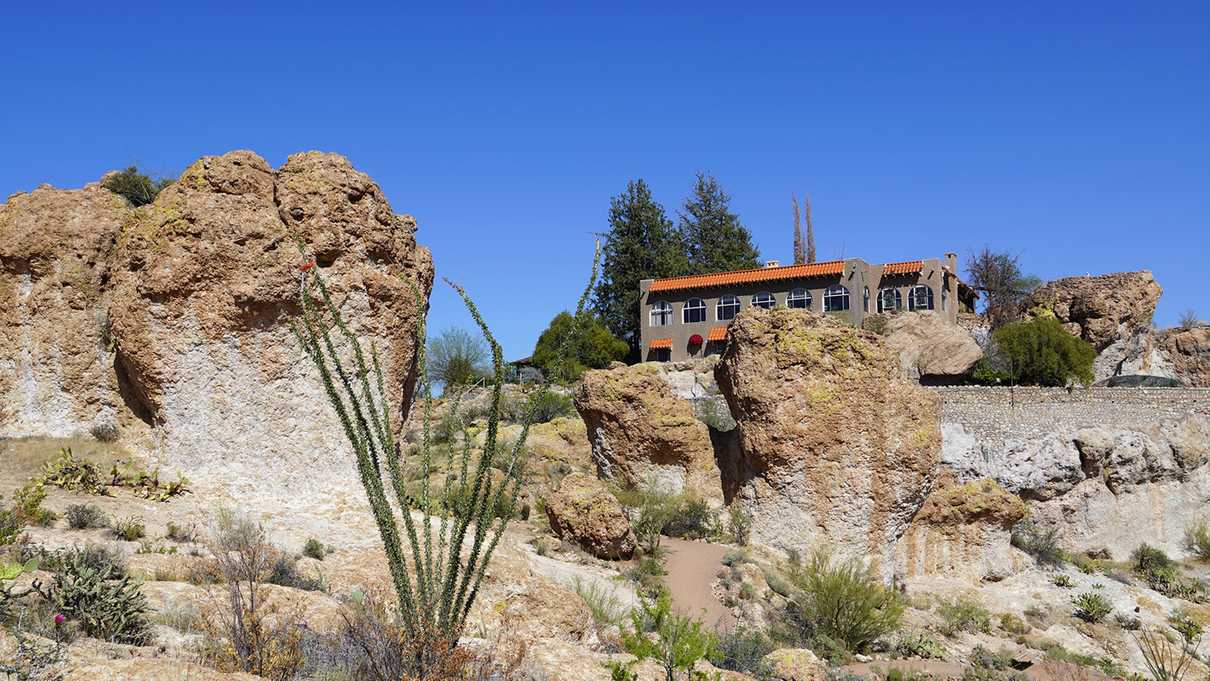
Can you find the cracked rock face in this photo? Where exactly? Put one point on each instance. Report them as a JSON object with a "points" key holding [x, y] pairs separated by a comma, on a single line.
{"points": [[1101, 309], [196, 291], [837, 446]]}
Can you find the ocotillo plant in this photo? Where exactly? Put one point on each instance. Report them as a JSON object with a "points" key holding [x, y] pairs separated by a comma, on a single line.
{"points": [[436, 582]]}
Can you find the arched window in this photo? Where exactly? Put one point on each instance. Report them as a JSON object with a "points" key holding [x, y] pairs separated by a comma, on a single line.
{"points": [[694, 311], [763, 299], [727, 308], [800, 298], [920, 298], [889, 300], [836, 298], [661, 313]]}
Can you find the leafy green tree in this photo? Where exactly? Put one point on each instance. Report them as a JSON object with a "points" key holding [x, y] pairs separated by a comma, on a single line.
{"points": [[456, 358], [569, 346], [135, 187], [641, 243], [1040, 352], [715, 239], [675, 641]]}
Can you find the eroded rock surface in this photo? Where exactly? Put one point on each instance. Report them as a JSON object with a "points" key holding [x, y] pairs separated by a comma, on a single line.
{"points": [[1101, 309], [929, 346], [583, 511], [837, 445]]}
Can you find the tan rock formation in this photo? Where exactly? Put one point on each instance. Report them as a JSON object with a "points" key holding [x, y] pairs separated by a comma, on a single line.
{"points": [[1101, 309], [962, 530], [641, 431], [584, 512], [837, 446], [1189, 352], [795, 664], [929, 346]]}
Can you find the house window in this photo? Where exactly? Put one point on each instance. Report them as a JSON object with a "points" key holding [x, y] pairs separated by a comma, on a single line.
{"points": [[661, 313], [889, 300], [763, 299], [836, 298], [921, 298], [727, 308], [695, 311], [800, 298]]}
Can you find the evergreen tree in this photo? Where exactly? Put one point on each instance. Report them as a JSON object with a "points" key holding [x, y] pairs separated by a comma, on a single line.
{"points": [[569, 346], [641, 244], [715, 240], [810, 233], [800, 252]]}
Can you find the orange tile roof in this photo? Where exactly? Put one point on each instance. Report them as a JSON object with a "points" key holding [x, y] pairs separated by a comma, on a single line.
{"points": [[903, 267], [815, 269], [661, 344], [718, 333]]}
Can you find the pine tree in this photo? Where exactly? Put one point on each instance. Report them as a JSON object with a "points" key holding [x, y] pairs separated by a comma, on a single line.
{"points": [[715, 240], [641, 244], [800, 254], [810, 232]]}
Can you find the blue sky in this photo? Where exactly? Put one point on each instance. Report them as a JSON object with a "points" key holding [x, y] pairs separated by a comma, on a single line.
{"points": [[1077, 137]]}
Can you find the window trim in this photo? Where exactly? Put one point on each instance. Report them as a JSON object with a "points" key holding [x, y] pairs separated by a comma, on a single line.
{"points": [[665, 308], [833, 293], [720, 305], [930, 303], [805, 298], [897, 298], [690, 306], [772, 300]]}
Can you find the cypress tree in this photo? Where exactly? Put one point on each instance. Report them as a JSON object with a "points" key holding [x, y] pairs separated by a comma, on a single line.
{"points": [[715, 239], [810, 232], [641, 244], [800, 253]]}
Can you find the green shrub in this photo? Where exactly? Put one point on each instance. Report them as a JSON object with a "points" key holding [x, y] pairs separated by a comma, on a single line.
{"points": [[1062, 581], [73, 474], [742, 649], [1197, 539], [964, 615], [656, 510], [1013, 624], [135, 187], [130, 529], [603, 603], [456, 358], [283, 571], [107, 606], [1127, 622], [314, 549], [674, 641], [152, 547], [1189, 629], [96, 557], [104, 432], [27, 504], [11, 524], [1091, 607], [85, 517], [739, 524], [692, 519], [1041, 352], [547, 405], [182, 534], [918, 644], [1040, 542], [985, 373], [648, 574], [842, 600], [570, 345]]}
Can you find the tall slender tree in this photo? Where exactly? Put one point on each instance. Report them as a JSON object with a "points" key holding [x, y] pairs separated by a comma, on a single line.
{"points": [[810, 256], [715, 239], [800, 250], [641, 243]]}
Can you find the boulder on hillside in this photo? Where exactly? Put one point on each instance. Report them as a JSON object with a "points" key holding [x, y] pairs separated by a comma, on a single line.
{"points": [[837, 446], [582, 511], [795, 664], [174, 316], [1189, 352], [641, 432], [929, 346], [1101, 309]]}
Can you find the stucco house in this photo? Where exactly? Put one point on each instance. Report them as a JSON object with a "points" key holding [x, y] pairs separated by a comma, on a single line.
{"points": [[684, 317]]}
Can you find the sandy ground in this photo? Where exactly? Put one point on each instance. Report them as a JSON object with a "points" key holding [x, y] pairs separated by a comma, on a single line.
{"points": [[691, 567]]}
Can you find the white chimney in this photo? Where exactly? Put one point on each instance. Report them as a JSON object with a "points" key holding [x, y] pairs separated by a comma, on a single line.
{"points": [[772, 263]]}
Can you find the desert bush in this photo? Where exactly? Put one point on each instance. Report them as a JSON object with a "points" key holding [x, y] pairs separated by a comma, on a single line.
{"points": [[73, 474], [1127, 622], [85, 517], [655, 510], [182, 534], [1013, 624], [603, 603], [150, 547], [12, 525], [314, 549], [104, 432], [1190, 629], [1197, 539], [742, 649], [918, 644], [1164, 660], [1062, 581], [547, 405], [964, 615], [108, 606], [456, 358], [437, 587], [1189, 320], [714, 414], [1041, 352], [693, 518], [147, 484], [842, 600], [739, 524], [137, 188], [96, 557], [674, 641], [648, 574], [1040, 542], [1091, 607], [284, 571], [1163, 575], [27, 505], [129, 529]]}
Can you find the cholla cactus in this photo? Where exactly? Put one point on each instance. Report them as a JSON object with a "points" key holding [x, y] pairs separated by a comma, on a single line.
{"points": [[436, 582]]}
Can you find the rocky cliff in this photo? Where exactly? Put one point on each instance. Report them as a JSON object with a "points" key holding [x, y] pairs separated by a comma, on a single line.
{"points": [[172, 320]]}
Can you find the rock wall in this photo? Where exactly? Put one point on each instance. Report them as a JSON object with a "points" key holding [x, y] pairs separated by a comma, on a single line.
{"points": [[1101, 309], [837, 446], [174, 316]]}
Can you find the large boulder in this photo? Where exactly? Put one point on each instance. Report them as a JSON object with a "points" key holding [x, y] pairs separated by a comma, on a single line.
{"points": [[1101, 309], [584, 512], [1188, 350], [929, 346], [795, 664], [837, 446], [174, 317], [642, 433]]}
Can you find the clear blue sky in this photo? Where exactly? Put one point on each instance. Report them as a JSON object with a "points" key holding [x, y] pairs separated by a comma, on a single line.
{"points": [[1077, 137]]}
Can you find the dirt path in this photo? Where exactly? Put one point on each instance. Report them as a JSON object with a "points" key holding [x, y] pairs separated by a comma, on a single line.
{"points": [[691, 568]]}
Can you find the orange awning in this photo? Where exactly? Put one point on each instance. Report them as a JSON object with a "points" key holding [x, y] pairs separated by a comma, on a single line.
{"points": [[903, 267], [661, 344], [718, 333]]}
